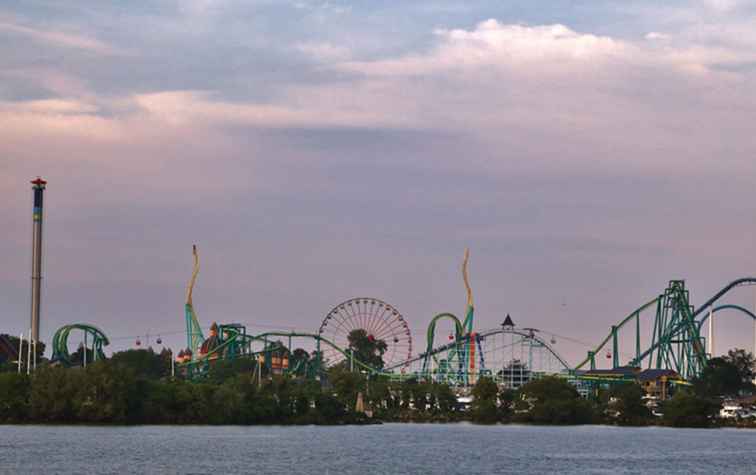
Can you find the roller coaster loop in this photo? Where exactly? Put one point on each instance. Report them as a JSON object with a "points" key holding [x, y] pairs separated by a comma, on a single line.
{"points": [[94, 340]]}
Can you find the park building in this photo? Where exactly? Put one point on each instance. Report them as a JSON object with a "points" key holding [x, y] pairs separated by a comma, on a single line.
{"points": [[657, 384], [515, 374]]}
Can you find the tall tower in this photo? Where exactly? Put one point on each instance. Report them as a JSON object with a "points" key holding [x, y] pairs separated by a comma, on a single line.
{"points": [[38, 186]]}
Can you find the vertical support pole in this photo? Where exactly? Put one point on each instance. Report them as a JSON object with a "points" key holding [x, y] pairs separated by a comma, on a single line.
{"points": [[34, 356], [259, 373], [754, 322], [530, 355], [615, 348], [637, 339], [28, 353], [317, 363], [592, 357], [20, 351], [288, 358], [711, 333], [266, 354], [511, 362]]}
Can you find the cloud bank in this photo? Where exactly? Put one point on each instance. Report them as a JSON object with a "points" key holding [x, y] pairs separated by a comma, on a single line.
{"points": [[585, 164]]}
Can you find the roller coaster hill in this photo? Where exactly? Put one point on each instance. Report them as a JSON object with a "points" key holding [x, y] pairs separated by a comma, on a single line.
{"points": [[661, 338]]}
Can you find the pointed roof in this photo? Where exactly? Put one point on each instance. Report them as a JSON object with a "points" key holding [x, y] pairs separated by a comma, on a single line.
{"points": [[508, 322]]}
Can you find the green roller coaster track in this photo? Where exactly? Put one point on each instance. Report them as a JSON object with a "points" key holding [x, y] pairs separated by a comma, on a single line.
{"points": [[461, 353], [235, 343], [675, 341], [740, 309], [94, 340]]}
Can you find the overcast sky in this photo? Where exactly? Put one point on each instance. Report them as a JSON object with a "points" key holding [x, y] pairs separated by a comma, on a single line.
{"points": [[587, 152]]}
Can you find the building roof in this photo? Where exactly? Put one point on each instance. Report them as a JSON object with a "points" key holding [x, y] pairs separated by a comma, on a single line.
{"points": [[651, 374], [620, 372]]}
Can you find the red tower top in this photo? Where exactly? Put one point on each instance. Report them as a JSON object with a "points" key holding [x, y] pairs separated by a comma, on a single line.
{"points": [[39, 182]]}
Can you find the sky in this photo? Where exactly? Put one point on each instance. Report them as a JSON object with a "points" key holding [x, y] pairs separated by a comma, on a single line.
{"points": [[587, 152]]}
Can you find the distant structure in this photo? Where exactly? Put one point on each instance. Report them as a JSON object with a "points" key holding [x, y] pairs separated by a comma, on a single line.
{"points": [[38, 186]]}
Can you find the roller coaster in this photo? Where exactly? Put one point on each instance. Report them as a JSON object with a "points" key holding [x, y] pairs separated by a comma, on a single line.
{"points": [[93, 340], [508, 354], [674, 340], [664, 333]]}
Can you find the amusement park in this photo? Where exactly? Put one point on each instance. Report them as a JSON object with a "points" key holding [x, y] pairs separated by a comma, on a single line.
{"points": [[662, 347]]}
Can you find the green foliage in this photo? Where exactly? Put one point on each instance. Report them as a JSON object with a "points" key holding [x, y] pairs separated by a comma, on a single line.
{"points": [[548, 388], [484, 408], [299, 361], [329, 407], [143, 363], [719, 378], [552, 400], [445, 398], [506, 403], [688, 410], [346, 384], [222, 370], [745, 363], [730, 375], [629, 406], [366, 348], [134, 388], [14, 397]]}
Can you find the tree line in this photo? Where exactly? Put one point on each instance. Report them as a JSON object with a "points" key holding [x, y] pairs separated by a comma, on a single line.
{"points": [[134, 387]]}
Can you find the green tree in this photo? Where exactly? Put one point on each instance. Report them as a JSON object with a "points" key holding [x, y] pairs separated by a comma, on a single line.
{"points": [[744, 362], [506, 403], [14, 397], [553, 400], [484, 408], [447, 401], [55, 394], [105, 392], [688, 410], [628, 402], [367, 348], [720, 377], [346, 384], [299, 361], [143, 363], [329, 408], [227, 403]]}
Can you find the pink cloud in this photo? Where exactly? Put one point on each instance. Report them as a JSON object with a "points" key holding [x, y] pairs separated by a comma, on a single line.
{"points": [[58, 38]]}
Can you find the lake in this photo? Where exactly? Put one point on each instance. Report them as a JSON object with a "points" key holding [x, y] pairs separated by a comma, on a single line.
{"points": [[379, 449]]}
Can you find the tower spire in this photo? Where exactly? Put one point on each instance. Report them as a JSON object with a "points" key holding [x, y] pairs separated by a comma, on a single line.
{"points": [[38, 187]]}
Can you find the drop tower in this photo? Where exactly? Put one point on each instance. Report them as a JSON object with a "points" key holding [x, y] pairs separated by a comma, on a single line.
{"points": [[38, 188]]}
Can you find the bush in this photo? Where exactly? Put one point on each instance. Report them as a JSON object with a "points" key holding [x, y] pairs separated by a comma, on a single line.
{"points": [[552, 400], [688, 410]]}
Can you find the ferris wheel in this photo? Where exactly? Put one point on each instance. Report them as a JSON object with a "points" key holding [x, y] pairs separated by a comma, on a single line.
{"points": [[380, 321]]}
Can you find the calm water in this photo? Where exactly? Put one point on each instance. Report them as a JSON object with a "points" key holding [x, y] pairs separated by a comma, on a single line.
{"points": [[390, 448]]}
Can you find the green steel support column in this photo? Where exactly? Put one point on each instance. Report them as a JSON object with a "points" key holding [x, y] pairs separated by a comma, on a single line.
{"points": [[592, 357], [317, 363], [615, 348], [653, 334], [637, 337]]}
